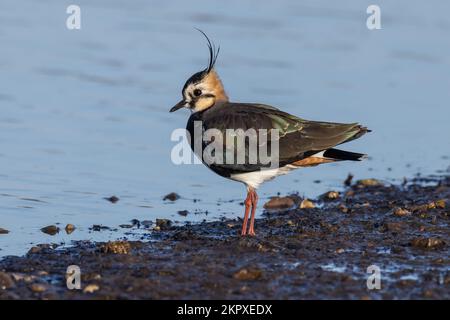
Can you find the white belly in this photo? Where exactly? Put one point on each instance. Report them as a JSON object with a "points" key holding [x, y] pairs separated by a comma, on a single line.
{"points": [[255, 178]]}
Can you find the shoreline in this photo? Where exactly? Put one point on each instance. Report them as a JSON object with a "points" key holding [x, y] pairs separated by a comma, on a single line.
{"points": [[317, 250]]}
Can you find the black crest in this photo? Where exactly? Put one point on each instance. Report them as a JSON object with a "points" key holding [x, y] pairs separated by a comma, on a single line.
{"points": [[213, 53]]}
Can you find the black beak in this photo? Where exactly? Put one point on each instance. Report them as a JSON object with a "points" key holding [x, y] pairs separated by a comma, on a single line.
{"points": [[179, 105]]}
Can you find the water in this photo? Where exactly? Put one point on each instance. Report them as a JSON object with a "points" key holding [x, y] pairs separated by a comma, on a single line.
{"points": [[84, 114]]}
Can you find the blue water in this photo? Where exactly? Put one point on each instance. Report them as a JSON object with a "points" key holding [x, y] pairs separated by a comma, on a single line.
{"points": [[84, 113]]}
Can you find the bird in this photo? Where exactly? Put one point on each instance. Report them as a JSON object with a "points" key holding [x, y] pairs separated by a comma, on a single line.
{"points": [[301, 143]]}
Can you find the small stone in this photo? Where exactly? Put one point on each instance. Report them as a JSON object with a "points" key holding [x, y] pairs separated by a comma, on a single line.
{"points": [[51, 230], [6, 281], [434, 220], [248, 274], [99, 227], [183, 213], [69, 228], [91, 288], [279, 203], [348, 181], [15, 276], [428, 293], [307, 204], [163, 224], [171, 196], [340, 250], [350, 193], [262, 248], [3, 231], [440, 204], [112, 199], [116, 247], [34, 249], [290, 223], [427, 243], [369, 182], [393, 226], [136, 223], [420, 208], [400, 212], [125, 226], [343, 208], [23, 277], [38, 287], [147, 223], [330, 195]]}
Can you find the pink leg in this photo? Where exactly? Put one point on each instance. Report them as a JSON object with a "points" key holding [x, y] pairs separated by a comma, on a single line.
{"points": [[251, 230], [248, 203]]}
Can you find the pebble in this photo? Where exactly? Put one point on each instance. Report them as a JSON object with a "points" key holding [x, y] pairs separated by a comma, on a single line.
{"points": [[91, 288], [369, 182], [171, 196], [23, 277], [307, 204], [69, 228], [3, 231], [248, 274], [348, 181], [183, 213], [51, 230], [427, 243], [163, 224], [112, 199], [136, 223], [343, 208], [400, 212], [350, 193], [330, 195], [6, 281], [116, 247], [279, 203], [393, 226], [38, 287], [34, 249], [147, 223], [98, 227], [440, 204]]}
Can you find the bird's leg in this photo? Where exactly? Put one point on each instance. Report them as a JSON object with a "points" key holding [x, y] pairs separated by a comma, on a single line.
{"points": [[248, 203], [254, 198]]}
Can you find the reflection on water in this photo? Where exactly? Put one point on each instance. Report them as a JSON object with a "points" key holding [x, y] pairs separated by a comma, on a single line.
{"points": [[84, 114]]}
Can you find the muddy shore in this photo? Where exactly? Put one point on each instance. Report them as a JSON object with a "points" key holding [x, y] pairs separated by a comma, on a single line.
{"points": [[303, 250]]}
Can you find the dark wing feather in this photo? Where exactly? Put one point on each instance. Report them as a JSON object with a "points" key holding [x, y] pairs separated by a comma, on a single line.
{"points": [[298, 138]]}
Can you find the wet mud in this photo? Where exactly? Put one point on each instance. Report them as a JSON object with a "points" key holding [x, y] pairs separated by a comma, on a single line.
{"points": [[327, 248]]}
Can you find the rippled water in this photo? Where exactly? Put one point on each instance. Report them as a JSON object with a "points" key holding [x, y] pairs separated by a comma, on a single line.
{"points": [[84, 114]]}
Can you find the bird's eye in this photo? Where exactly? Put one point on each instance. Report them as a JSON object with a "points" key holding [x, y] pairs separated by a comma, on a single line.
{"points": [[197, 92]]}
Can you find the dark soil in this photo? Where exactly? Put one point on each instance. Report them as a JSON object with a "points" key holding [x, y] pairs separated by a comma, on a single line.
{"points": [[309, 253]]}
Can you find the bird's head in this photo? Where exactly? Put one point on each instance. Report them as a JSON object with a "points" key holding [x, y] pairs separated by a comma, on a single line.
{"points": [[203, 89]]}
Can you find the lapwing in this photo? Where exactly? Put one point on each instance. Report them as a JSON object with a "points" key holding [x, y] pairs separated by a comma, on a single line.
{"points": [[301, 143]]}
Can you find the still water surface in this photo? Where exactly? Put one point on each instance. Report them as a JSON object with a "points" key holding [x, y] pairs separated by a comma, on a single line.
{"points": [[84, 114]]}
